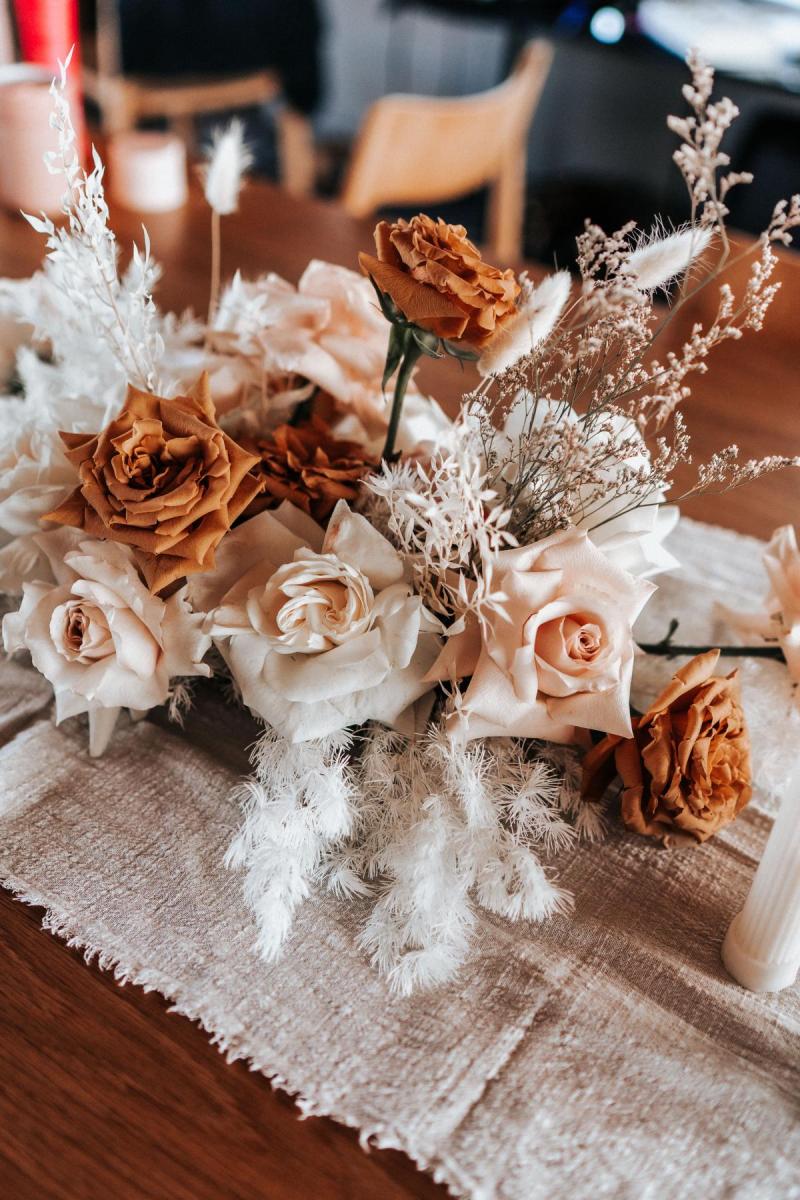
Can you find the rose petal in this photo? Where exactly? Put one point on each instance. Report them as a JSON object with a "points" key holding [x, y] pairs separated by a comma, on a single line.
{"points": [[354, 540]]}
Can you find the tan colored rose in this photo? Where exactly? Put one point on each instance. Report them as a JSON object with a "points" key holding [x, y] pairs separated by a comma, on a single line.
{"points": [[439, 281], [162, 478], [686, 770], [306, 465]]}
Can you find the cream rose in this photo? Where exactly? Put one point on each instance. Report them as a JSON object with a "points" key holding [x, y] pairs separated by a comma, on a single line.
{"points": [[633, 539], [559, 655], [99, 636], [319, 628], [34, 471], [312, 604], [779, 620], [329, 331]]}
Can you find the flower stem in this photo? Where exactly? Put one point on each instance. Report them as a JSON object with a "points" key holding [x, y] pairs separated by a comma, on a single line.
{"points": [[411, 352], [671, 650], [216, 264]]}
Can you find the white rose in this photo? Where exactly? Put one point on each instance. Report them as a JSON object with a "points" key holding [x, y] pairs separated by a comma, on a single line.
{"points": [[34, 473], [99, 636], [319, 628], [779, 619], [632, 539]]}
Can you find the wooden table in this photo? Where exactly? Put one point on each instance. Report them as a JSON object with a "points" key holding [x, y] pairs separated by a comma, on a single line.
{"points": [[102, 1092]]}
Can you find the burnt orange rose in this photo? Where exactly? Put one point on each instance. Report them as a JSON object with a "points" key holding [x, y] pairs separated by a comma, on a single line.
{"points": [[306, 465], [163, 478], [439, 281], [686, 770]]}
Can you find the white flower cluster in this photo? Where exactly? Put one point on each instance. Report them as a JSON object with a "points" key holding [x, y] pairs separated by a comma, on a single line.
{"points": [[505, 553], [425, 829]]}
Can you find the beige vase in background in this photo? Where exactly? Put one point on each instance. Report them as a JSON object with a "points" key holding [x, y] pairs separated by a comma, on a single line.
{"points": [[25, 137]]}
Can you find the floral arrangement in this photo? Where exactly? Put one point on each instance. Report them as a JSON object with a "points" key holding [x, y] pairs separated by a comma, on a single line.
{"points": [[427, 615]]}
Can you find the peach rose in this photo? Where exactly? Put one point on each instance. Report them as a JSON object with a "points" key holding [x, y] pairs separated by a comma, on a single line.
{"points": [[162, 478], [275, 345], [439, 281], [558, 656], [686, 770]]}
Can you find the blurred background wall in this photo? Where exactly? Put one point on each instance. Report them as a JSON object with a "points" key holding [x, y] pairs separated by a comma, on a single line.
{"points": [[597, 143]]}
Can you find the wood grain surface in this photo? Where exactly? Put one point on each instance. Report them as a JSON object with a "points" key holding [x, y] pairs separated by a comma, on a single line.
{"points": [[104, 1093]]}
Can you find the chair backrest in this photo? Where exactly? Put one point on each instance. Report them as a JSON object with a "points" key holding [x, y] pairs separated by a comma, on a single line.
{"points": [[418, 149]]}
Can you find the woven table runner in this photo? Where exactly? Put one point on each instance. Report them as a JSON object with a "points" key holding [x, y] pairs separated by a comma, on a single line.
{"points": [[607, 1054]]}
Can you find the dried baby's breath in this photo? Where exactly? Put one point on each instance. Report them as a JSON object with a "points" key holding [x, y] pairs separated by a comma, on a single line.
{"points": [[587, 427]]}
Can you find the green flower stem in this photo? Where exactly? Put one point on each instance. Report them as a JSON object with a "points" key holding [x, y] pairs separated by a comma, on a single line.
{"points": [[410, 354]]}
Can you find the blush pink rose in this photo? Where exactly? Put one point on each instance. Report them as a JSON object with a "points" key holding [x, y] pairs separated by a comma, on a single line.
{"points": [[94, 630], [558, 656], [270, 337]]}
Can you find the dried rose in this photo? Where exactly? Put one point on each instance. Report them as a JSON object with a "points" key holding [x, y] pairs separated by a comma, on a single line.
{"points": [[686, 770], [306, 465], [163, 478], [439, 281]]}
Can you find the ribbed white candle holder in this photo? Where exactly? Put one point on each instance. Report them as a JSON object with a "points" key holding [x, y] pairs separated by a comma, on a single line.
{"points": [[762, 947]]}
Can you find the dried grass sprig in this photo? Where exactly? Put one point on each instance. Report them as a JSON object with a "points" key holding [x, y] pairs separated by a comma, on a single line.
{"points": [[82, 261], [448, 523], [587, 426], [228, 160]]}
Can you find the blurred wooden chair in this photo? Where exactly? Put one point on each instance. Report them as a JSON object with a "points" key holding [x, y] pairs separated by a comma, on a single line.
{"points": [[125, 99], [420, 149]]}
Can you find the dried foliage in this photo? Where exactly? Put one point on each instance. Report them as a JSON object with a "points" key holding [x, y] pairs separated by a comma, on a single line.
{"points": [[586, 429], [577, 420], [91, 301], [424, 830], [448, 522]]}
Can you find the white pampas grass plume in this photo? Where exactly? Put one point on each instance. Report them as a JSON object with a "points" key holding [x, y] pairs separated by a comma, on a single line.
{"points": [[661, 259], [229, 157], [298, 808], [534, 321]]}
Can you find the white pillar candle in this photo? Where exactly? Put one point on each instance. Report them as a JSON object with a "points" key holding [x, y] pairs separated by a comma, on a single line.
{"points": [[762, 946], [147, 171]]}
